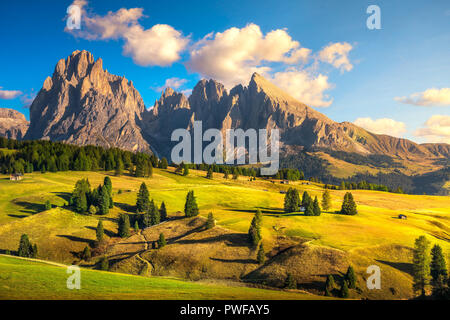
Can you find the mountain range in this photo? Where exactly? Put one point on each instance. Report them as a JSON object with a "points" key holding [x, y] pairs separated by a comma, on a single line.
{"points": [[81, 103]]}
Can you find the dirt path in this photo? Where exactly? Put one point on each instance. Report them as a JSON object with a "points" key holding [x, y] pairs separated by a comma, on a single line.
{"points": [[37, 260]]}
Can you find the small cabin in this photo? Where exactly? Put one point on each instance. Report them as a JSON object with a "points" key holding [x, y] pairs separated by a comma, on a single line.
{"points": [[283, 192], [16, 177], [285, 182], [402, 216]]}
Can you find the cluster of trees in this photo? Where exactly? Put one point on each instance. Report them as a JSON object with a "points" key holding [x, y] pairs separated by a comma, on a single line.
{"points": [[43, 156], [26, 248], [363, 185], [150, 214], [96, 201], [349, 205], [430, 269], [255, 238], [348, 282], [289, 174], [292, 203]]}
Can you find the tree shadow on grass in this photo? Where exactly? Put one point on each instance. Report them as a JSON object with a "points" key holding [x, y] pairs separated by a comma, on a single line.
{"points": [[267, 211], [20, 216], [63, 195], [243, 261], [402, 266], [231, 240], [105, 231], [29, 207], [77, 239], [125, 207]]}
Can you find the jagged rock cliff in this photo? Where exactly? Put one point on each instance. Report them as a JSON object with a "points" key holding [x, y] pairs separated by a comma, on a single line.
{"points": [[84, 104], [13, 124]]}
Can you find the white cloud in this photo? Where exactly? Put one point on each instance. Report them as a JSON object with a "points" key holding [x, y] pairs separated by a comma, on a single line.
{"points": [[382, 126], [161, 45], [336, 54], [233, 55], [173, 83], [437, 129], [9, 94], [304, 86], [429, 97]]}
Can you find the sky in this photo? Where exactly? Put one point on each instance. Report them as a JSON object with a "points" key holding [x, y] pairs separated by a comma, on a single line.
{"points": [[392, 79]]}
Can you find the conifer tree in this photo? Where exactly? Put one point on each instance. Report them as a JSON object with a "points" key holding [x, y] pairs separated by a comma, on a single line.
{"points": [[25, 247], [48, 205], [163, 212], [438, 270], [261, 256], [329, 286], [190, 207], [155, 217], [254, 232], [350, 277], [421, 265], [136, 226], [309, 210], [344, 290], [99, 231], [86, 255], [161, 241], [291, 200], [118, 171], [349, 205], [185, 169], [164, 163], [104, 201], [316, 207], [209, 174], [108, 185], [104, 264], [290, 282], [326, 200], [210, 223], [124, 225], [143, 199]]}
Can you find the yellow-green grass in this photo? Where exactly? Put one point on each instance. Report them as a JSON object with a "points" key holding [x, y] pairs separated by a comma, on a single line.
{"points": [[233, 204], [26, 279]]}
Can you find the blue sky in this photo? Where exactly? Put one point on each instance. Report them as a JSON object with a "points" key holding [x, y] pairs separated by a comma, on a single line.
{"points": [[394, 80]]}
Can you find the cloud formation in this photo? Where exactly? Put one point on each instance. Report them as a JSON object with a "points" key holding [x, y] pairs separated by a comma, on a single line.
{"points": [[382, 126], [428, 98], [234, 55], [173, 83], [9, 94], [304, 86], [336, 54], [436, 129], [161, 45]]}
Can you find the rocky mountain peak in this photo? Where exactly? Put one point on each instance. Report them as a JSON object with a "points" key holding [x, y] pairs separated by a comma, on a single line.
{"points": [[13, 124]]}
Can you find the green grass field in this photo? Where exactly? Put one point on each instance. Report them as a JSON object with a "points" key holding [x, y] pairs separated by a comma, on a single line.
{"points": [[24, 279], [375, 235]]}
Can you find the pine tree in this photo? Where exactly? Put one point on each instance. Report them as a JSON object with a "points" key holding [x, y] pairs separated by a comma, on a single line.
{"points": [[48, 205], [329, 286], [108, 185], [421, 265], [235, 174], [155, 217], [291, 200], [344, 290], [161, 241], [309, 210], [163, 212], [290, 282], [136, 226], [209, 174], [164, 163], [86, 255], [254, 232], [261, 256], [316, 207], [190, 207], [104, 264], [25, 247], [306, 199], [34, 251], [118, 171], [143, 199], [185, 169], [438, 270], [104, 201], [326, 200], [124, 225], [350, 277], [99, 231], [210, 223], [349, 205]]}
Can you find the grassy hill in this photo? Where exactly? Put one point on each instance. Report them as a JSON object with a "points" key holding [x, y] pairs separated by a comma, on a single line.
{"points": [[309, 248], [28, 279]]}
